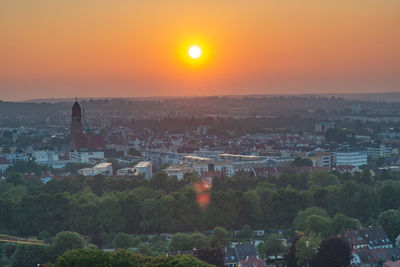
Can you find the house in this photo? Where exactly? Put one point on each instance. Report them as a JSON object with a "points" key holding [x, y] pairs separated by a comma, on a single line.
{"points": [[231, 258], [372, 238], [4, 164], [374, 257], [398, 240], [240, 252], [104, 168], [392, 263], [253, 262]]}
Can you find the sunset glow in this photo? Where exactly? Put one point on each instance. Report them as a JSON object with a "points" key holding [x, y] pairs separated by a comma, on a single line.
{"points": [[64, 49], [194, 52]]}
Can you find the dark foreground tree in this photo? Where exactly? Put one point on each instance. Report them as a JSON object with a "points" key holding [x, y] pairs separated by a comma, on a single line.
{"points": [[290, 256], [213, 256], [333, 252]]}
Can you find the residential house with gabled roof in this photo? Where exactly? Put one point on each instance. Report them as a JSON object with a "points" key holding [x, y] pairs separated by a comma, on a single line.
{"points": [[372, 238]]}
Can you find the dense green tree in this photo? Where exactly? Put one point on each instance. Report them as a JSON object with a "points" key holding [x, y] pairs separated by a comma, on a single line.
{"points": [[122, 240], [335, 135], [272, 246], [318, 225], [322, 179], [390, 222], [341, 222], [246, 231], [301, 162], [333, 252], [29, 255], [14, 178], [181, 242], [199, 241], [306, 248], [282, 206], [65, 241], [300, 221], [95, 257], [219, 238]]}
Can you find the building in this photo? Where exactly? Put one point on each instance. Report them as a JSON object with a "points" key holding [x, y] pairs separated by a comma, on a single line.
{"points": [[369, 238], [323, 126], [145, 168], [4, 164], [104, 168], [178, 170], [322, 159], [80, 140], [354, 158], [235, 256], [85, 156]]}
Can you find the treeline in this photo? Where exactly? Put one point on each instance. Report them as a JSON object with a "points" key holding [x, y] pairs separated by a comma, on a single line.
{"points": [[107, 206]]}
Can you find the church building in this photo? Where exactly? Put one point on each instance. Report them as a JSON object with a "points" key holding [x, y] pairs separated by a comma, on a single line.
{"points": [[84, 145]]}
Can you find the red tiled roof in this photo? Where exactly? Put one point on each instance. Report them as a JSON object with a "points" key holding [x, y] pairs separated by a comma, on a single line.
{"points": [[89, 141], [4, 161]]}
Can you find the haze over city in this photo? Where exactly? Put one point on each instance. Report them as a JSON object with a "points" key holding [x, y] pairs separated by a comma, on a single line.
{"points": [[212, 133], [137, 49]]}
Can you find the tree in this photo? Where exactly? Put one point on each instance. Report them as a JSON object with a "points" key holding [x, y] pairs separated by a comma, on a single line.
{"points": [[14, 178], [300, 221], [143, 249], [199, 241], [66, 240], [246, 231], [181, 242], [333, 252], [96, 257], [390, 222], [301, 162], [322, 179], [290, 256], [272, 246], [122, 240], [29, 255], [306, 248], [318, 225], [341, 222], [335, 135], [219, 237], [214, 256]]}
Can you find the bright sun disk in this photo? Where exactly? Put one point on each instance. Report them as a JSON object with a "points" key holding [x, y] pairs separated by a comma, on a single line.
{"points": [[194, 52]]}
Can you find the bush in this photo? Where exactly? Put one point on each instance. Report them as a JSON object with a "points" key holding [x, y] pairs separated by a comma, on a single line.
{"points": [[122, 240]]}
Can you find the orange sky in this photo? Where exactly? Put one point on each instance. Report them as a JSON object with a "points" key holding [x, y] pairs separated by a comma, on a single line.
{"points": [[68, 48]]}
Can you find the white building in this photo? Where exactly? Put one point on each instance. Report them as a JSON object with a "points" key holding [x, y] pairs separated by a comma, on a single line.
{"points": [[145, 168], [86, 156], [104, 168], [178, 170], [17, 156], [321, 159], [4, 164], [351, 157]]}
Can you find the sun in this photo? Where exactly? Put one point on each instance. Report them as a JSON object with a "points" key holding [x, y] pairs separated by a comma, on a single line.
{"points": [[194, 51]]}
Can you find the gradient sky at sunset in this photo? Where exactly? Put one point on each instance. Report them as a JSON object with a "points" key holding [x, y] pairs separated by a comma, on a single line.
{"points": [[97, 48]]}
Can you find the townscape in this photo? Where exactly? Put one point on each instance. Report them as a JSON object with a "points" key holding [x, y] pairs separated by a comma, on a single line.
{"points": [[248, 184]]}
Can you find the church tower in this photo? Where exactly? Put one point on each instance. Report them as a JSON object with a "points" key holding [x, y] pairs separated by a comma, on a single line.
{"points": [[76, 123]]}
